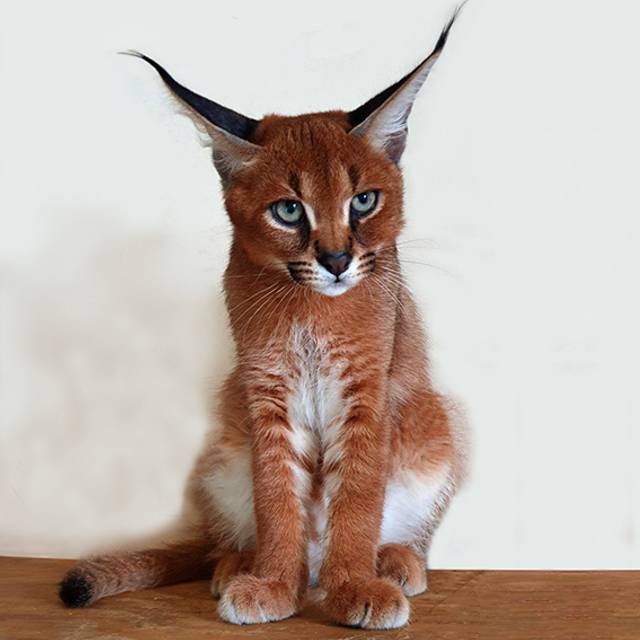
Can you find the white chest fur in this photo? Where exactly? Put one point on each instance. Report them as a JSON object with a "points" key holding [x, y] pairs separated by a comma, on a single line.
{"points": [[317, 409], [316, 384]]}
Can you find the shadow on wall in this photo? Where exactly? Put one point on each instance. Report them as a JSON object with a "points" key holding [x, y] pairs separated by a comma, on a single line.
{"points": [[113, 341]]}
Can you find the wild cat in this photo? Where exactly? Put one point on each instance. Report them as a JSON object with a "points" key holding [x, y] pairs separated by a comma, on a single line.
{"points": [[332, 459]]}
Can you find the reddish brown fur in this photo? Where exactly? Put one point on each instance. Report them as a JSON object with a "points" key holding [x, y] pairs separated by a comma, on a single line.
{"points": [[368, 342], [408, 429]]}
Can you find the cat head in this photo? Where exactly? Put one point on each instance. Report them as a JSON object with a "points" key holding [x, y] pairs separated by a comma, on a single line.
{"points": [[316, 196]]}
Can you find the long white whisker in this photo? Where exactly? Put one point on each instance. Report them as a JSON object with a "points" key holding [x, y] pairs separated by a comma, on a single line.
{"points": [[265, 295], [270, 298], [278, 307], [251, 297], [286, 302], [378, 280]]}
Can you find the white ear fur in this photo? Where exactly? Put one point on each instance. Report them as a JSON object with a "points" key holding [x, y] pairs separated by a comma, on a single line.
{"points": [[226, 131], [386, 128], [229, 152], [382, 121]]}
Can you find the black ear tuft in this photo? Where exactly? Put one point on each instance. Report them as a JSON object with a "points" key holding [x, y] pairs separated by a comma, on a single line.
{"points": [[365, 110], [76, 590], [218, 115], [442, 40]]}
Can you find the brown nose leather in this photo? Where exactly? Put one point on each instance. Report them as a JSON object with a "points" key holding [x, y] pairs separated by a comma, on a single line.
{"points": [[335, 263]]}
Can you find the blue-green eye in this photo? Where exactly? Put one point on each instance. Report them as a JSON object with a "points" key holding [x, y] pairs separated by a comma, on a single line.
{"points": [[364, 203], [289, 212]]}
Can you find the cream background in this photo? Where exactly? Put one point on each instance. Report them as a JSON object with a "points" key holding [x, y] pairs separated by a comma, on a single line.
{"points": [[522, 192]]}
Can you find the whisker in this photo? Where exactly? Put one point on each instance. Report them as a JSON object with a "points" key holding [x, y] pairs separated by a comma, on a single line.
{"points": [[269, 299], [394, 279], [384, 255], [431, 266], [286, 298], [251, 297], [274, 264], [276, 308], [266, 293], [389, 292]]}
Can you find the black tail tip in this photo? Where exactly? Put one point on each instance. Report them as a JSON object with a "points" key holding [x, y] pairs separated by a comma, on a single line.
{"points": [[76, 590]]}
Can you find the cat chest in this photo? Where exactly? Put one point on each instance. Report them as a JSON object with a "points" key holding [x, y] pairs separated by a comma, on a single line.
{"points": [[316, 400]]}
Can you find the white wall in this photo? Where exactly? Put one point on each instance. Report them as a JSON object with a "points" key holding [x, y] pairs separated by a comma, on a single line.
{"points": [[522, 192]]}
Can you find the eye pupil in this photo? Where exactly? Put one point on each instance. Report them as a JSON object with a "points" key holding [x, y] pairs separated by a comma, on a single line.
{"points": [[288, 212], [364, 203]]}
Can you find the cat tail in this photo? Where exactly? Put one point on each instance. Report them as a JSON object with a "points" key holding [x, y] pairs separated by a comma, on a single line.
{"points": [[101, 576]]}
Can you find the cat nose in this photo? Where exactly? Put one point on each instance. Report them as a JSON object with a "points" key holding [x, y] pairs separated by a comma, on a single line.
{"points": [[335, 263]]}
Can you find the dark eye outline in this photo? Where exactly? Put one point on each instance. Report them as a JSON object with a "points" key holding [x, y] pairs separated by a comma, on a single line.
{"points": [[280, 220], [363, 214]]}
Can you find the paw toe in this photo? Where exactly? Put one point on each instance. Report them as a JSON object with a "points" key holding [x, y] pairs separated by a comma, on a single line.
{"points": [[251, 600], [227, 567], [403, 566], [372, 604]]}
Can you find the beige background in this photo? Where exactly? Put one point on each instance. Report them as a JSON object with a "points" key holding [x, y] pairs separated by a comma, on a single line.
{"points": [[523, 208]]}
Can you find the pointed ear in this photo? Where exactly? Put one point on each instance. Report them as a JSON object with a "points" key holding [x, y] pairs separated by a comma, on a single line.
{"points": [[382, 121], [228, 130]]}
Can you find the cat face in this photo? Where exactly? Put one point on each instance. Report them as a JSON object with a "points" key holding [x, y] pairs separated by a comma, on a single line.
{"points": [[316, 202], [318, 196]]}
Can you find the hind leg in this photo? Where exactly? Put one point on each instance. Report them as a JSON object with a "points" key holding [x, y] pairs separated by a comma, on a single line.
{"points": [[427, 465], [401, 564], [413, 506], [414, 503], [227, 567]]}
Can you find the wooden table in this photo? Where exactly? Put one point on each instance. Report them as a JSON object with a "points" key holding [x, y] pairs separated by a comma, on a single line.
{"points": [[497, 605]]}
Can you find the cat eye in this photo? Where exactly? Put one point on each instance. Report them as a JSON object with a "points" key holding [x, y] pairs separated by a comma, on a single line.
{"points": [[364, 203], [288, 212]]}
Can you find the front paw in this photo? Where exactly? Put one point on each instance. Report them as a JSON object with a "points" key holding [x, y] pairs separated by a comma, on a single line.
{"points": [[228, 567], [375, 603], [250, 600], [403, 566]]}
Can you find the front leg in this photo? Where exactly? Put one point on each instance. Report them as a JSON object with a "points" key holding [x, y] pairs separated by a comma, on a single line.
{"points": [[355, 596], [273, 590]]}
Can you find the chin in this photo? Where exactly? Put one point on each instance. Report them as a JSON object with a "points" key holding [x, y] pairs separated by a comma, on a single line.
{"points": [[334, 289]]}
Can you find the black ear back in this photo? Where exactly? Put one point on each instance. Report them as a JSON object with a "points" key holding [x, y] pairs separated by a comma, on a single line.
{"points": [[382, 120], [359, 115], [227, 119]]}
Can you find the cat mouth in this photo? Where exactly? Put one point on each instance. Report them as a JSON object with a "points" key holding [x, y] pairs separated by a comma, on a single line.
{"points": [[306, 273], [332, 286], [335, 288]]}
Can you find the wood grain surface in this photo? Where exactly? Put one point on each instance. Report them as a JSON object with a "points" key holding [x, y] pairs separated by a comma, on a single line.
{"points": [[497, 605]]}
